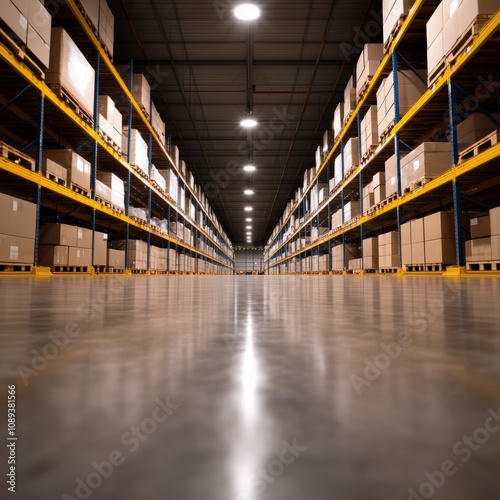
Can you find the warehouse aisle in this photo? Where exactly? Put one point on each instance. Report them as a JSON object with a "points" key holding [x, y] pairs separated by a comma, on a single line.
{"points": [[258, 387]]}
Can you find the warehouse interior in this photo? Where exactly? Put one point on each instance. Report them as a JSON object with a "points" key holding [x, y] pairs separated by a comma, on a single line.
{"points": [[250, 250]]}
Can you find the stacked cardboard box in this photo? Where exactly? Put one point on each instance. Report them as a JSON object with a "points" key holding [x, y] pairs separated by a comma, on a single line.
{"points": [[324, 261], [338, 174], [368, 196], [351, 210], [406, 244], [351, 252], [429, 160], [102, 19], [175, 155], [349, 98], [388, 254], [116, 186], [337, 218], [110, 119], [78, 168], [379, 187], [51, 168], [141, 90], [102, 191], [138, 154], [70, 69], [450, 20], [439, 235], [137, 253], [17, 230], [115, 258], [417, 234], [369, 130], [316, 232], [474, 128], [351, 157], [370, 253], [391, 181], [158, 178], [410, 89], [338, 117], [392, 11], [158, 258], [158, 124], [367, 64], [485, 245]]}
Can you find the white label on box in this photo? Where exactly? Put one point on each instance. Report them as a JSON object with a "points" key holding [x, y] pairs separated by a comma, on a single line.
{"points": [[104, 236], [393, 181], [79, 165], [474, 222], [78, 252], [23, 22], [453, 7], [15, 206], [416, 165], [14, 252], [80, 233]]}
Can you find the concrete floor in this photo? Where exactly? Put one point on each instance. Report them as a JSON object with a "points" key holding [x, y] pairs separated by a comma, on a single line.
{"points": [[246, 388]]}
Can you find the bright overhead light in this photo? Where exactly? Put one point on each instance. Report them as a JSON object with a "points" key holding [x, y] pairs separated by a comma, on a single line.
{"points": [[249, 168], [248, 191], [247, 12], [249, 227], [248, 209], [248, 219], [248, 123], [249, 233]]}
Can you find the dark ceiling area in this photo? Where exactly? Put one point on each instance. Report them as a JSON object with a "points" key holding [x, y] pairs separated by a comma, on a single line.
{"points": [[208, 70]]}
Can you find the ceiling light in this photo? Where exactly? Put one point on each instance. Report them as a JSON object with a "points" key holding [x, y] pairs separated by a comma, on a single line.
{"points": [[248, 123], [247, 12], [249, 227], [248, 209], [249, 233], [248, 191], [248, 219], [249, 168]]}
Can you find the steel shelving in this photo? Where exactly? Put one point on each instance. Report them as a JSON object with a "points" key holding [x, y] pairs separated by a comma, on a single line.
{"points": [[463, 179]]}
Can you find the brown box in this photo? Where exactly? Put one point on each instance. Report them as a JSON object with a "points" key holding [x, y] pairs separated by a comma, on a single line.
{"points": [[406, 234], [58, 234], [406, 252], [83, 237], [52, 255], [37, 45], [370, 262], [17, 250], [100, 248], [116, 258], [479, 250], [440, 251], [370, 247], [141, 90], [418, 253], [17, 217], [79, 256], [439, 225], [495, 221], [495, 248], [50, 167], [417, 232], [78, 168], [480, 227], [14, 19]]}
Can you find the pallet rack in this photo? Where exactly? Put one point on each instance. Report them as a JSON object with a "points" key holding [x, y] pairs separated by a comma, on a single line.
{"points": [[52, 120], [466, 182]]}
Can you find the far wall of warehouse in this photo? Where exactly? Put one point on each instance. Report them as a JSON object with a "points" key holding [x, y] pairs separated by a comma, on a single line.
{"points": [[248, 260]]}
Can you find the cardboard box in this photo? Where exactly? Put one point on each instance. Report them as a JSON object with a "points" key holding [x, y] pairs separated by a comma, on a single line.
{"points": [[58, 234], [79, 256], [406, 233], [70, 69], [338, 117], [379, 194], [351, 157], [418, 253], [14, 19], [392, 11], [417, 232], [351, 210], [141, 90], [100, 248], [479, 250], [370, 247], [349, 97], [480, 227], [83, 238], [495, 248], [439, 225], [440, 251], [37, 45], [16, 250], [370, 262], [495, 221], [138, 154], [391, 183], [474, 128], [78, 168], [52, 169], [116, 258], [17, 217], [406, 254], [52, 255]]}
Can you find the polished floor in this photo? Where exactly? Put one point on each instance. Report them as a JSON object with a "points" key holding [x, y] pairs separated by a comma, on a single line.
{"points": [[258, 387]]}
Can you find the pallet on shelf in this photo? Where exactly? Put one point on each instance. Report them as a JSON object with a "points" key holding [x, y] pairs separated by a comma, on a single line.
{"points": [[483, 266], [368, 154], [386, 132], [417, 184], [78, 189], [394, 32], [10, 267], [15, 156], [71, 101], [362, 90], [389, 270], [70, 269], [479, 146], [55, 178]]}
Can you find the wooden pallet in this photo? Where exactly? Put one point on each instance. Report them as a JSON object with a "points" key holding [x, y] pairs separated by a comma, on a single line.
{"points": [[10, 267], [80, 190], [483, 266], [100, 269], [108, 140], [435, 267], [389, 270], [479, 146], [417, 184], [103, 202], [346, 118], [19, 50], [371, 271], [411, 268], [362, 91], [388, 200], [55, 178], [70, 269], [71, 101], [115, 270], [139, 171], [394, 32], [15, 156], [139, 271], [438, 70], [386, 132], [140, 221], [368, 154]]}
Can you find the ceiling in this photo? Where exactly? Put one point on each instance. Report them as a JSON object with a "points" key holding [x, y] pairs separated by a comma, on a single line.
{"points": [[207, 69]]}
